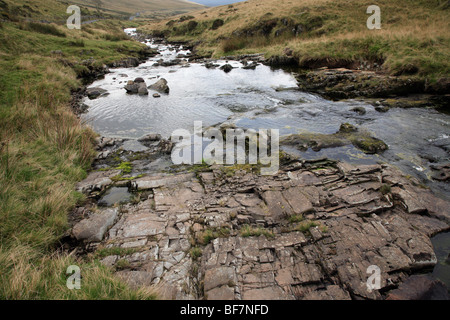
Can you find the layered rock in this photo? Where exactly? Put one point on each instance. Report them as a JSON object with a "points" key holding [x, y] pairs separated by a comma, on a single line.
{"points": [[309, 232]]}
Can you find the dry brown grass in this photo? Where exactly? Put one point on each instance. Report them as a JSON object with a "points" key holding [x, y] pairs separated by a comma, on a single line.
{"points": [[414, 32]]}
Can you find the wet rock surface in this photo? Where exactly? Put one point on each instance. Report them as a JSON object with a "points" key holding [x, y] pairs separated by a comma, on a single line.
{"points": [[94, 93], [347, 134], [160, 86], [309, 232], [342, 83]]}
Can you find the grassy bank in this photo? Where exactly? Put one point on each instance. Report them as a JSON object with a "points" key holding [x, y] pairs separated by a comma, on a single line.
{"points": [[45, 150], [414, 38]]}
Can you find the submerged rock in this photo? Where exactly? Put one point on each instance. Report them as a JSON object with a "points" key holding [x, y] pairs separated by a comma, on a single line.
{"points": [[359, 110], [151, 137], [211, 65], [347, 127], [94, 93], [251, 66], [347, 134]]}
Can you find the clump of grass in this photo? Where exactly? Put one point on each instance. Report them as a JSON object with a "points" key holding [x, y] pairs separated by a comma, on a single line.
{"points": [[304, 226], [233, 44], [385, 189], [77, 43], [295, 218], [119, 36], [44, 28], [122, 264], [249, 231], [195, 253], [205, 237]]}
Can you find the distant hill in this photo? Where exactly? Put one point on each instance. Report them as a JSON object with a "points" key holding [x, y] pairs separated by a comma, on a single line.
{"points": [[144, 7], [215, 3], [412, 41]]}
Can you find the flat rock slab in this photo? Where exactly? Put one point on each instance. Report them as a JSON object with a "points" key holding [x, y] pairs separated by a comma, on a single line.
{"points": [[143, 224], [96, 181], [230, 232], [94, 228], [146, 183]]}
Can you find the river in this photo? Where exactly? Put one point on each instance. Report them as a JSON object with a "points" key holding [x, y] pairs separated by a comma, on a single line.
{"points": [[265, 98]]}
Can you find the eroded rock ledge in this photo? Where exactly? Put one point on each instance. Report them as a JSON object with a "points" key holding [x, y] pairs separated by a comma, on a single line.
{"points": [[309, 232]]}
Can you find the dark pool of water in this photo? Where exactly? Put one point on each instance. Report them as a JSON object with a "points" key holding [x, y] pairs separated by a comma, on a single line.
{"points": [[115, 195], [441, 244]]}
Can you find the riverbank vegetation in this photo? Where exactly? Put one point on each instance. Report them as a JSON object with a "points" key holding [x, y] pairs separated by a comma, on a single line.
{"points": [[45, 149], [413, 39]]}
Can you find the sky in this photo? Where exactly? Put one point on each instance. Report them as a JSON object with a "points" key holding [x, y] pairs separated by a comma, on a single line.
{"points": [[213, 3]]}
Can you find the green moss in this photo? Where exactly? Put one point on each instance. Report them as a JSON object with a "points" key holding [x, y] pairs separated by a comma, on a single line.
{"points": [[368, 144]]}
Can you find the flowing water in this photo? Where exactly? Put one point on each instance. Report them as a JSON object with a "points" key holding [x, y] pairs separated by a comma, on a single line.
{"points": [[265, 98]]}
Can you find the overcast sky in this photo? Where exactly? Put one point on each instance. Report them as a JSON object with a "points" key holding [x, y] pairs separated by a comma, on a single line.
{"points": [[213, 3]]}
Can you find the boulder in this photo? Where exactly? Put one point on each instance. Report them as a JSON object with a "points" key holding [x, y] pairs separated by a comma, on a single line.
{"points": [[150, 137], [142, 90], [359, 110], [226, 68], [160, 86], [132, 87], [347, 127], [94, 93]]}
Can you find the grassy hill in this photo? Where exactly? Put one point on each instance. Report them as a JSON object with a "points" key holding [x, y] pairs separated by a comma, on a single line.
{"points": [[414, 38], [45, 149], [146, 8]]}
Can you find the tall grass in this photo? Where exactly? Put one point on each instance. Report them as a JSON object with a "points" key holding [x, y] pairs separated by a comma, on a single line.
{"points": [[44, 150], [413, 38], [44, 28]]}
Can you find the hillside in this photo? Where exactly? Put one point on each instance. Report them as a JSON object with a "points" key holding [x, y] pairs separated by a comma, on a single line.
{"points": [[45, 149], [413, 40], [146, 8]]}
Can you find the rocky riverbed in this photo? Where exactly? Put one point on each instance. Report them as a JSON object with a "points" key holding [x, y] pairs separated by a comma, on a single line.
{"points": [[308, 232], [226, 232]]}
